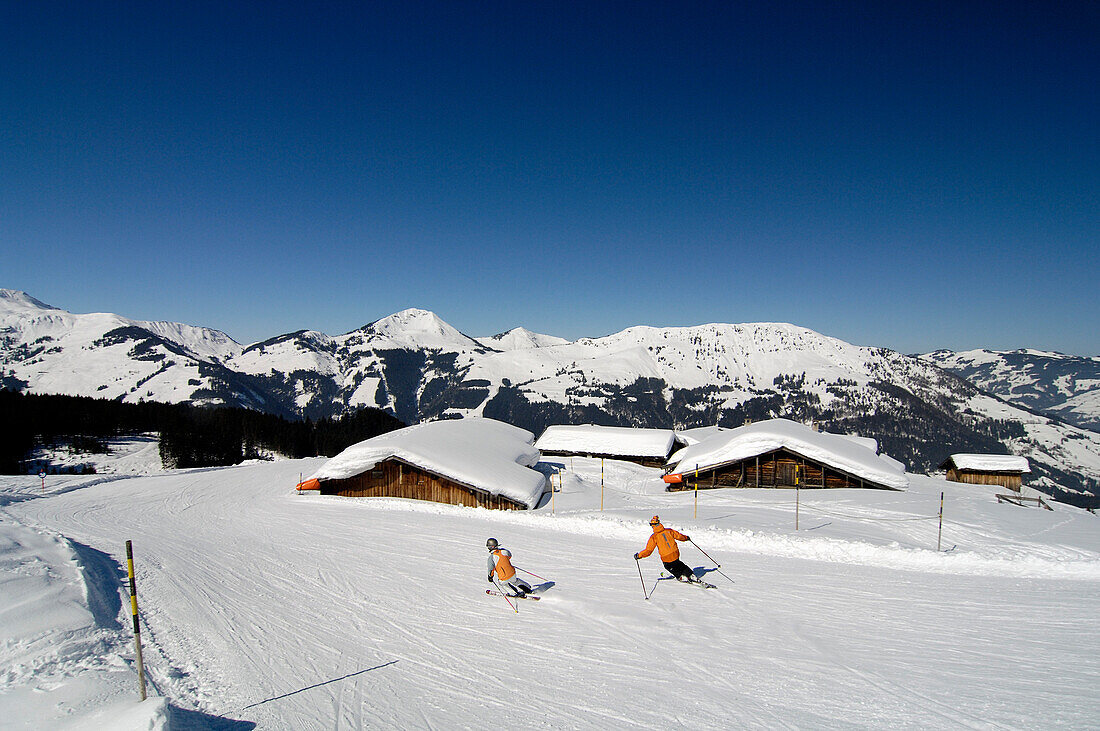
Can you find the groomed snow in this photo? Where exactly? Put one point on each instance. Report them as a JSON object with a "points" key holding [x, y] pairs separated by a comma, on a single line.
{"points": [[482, 453], [608, 440], [990, 462], [263, 608], [834, 450]]}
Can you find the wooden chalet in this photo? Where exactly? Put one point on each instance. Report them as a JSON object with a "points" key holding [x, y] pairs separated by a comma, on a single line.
{"points": [[783, 454], [1003, 470], [647, 447], [474, 462], [396, 477], [781, 468]]}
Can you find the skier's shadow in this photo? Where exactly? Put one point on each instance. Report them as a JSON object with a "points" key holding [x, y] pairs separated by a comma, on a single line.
{"points": [[540, 588]]}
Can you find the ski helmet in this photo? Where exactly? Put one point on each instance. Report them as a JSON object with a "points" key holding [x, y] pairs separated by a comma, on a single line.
{"points": [[491, 544], [655, 520]]}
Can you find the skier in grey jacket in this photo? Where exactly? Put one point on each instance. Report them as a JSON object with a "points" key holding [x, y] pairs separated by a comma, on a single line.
{"points": [[500, 563]]}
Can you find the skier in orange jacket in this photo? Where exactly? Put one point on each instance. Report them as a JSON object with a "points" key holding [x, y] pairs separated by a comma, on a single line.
{"points": [[664, 540], [500, 563]]}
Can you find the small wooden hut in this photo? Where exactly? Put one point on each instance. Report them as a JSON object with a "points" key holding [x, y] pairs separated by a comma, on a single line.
{"points": [[783, 454], [1004, 470], [648, 447], [473, 462]]}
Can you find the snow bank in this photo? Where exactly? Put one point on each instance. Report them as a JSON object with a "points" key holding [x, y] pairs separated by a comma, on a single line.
{"points": [[990, 462], [482, 453], [61, 642], [835, 450], [613, 440]]}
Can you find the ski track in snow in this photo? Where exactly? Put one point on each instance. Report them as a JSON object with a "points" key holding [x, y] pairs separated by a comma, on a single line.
{"points": [[314, 612]]}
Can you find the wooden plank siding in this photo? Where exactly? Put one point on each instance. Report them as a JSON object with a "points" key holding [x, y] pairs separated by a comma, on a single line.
{"points": [[397, 478], [1007, 480], [644, 461], [774, 469]]}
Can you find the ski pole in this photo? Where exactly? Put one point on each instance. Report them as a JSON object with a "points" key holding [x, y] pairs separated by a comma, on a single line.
{"points": [[503, 594], [530, 572], [644, 592], [719, 569]]}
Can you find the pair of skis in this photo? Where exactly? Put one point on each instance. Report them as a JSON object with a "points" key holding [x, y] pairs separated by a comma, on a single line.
{"points": [[493, 592], [702, 584]]}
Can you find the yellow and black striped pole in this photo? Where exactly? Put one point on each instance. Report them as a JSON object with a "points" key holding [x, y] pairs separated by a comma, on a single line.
{"points": [[696, 517], [601, 484], [939, 534], [796, 496], [133, 607]]}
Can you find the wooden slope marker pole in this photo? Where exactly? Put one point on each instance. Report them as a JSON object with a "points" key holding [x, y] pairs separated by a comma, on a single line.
{"points": [[601, 484], [796, 497], [134, 609], [696, 517], [553, 492], [939, 535]]}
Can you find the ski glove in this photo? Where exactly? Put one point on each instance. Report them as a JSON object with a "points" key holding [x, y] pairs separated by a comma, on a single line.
{"points": [[489, 578], [636, 557]]}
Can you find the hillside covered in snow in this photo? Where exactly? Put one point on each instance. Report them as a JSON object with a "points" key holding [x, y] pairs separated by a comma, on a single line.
{"points": [[263, 608], [1063, 386], [418, 367]]}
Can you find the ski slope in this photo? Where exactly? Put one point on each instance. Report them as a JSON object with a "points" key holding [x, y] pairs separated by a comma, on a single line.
{"points": [[261, 606]]}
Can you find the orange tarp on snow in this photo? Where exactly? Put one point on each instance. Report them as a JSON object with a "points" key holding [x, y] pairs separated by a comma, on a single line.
{"points": [[310, 484], [673, 478]]}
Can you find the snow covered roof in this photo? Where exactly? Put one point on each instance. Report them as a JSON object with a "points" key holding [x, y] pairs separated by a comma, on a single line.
{"points": [[833, 450], [613, 440], [482, 453], [989, 462], [698, 434]]}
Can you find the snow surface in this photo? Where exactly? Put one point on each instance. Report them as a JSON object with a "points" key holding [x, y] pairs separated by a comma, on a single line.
{"points": [[261, 606], [482, 453], [990, 462], [615, 440], [841, 452]]}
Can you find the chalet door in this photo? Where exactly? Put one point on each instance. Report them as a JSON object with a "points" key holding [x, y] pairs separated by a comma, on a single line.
{"points": [[784, 473]]}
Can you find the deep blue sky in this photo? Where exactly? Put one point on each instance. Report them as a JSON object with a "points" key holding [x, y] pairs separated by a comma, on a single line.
{"points": [[911, 175]]}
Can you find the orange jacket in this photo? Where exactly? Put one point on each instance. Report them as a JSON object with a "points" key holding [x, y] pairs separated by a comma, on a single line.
{"points": [[664, 540], [503, 568]]}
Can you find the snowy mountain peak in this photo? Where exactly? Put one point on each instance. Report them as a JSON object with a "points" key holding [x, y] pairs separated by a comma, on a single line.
{"points": [[520, 338], [420, 328], [13, 300]]}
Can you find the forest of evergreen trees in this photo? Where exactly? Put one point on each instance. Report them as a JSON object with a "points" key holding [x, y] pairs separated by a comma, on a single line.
{"points": [[190, 436]]}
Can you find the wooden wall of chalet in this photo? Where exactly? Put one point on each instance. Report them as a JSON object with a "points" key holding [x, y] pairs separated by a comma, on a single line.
{"points": [[774, 469], [394, 478], [644, 461], [1010, 481]]}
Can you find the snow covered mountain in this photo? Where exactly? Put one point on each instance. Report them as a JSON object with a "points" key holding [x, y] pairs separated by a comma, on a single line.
{"points": [[1065, 386], [416, 366]]}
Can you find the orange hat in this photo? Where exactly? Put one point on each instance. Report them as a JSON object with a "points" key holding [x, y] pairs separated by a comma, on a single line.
{"points": [[654, 520]]}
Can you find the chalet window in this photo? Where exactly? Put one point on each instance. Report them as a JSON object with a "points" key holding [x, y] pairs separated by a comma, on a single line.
{"points": [[376, 473]]}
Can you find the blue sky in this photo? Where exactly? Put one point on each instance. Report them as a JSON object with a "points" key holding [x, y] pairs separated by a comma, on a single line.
{"points": [[914, 177]]}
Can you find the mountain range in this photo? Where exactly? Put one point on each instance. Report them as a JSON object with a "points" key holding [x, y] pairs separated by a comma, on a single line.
{"points": [[418, 367]]}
